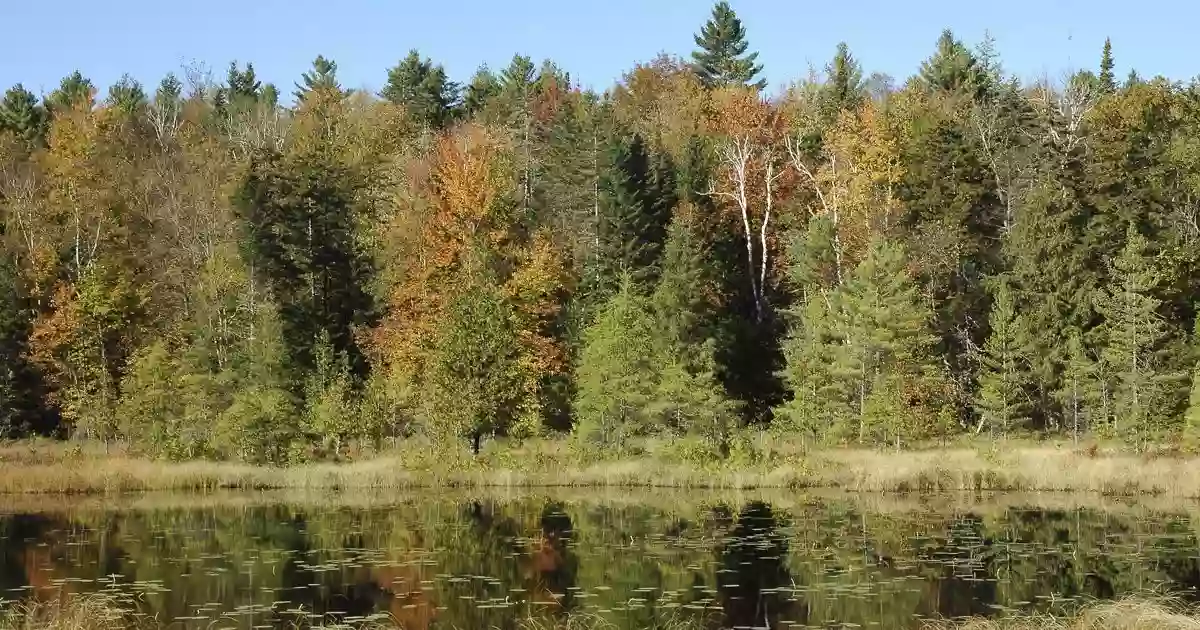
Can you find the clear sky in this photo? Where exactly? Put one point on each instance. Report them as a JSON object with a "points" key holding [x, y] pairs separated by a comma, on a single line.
{"points": [[595, 41]]}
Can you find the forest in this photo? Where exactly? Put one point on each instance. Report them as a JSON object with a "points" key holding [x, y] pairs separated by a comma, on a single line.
{"points": [[202, 270]]}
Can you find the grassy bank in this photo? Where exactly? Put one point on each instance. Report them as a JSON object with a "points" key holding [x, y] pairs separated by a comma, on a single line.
{"points": [[60, 468], [100, 612]]}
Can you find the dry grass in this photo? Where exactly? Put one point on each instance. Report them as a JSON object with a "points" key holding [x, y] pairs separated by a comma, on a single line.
{"points": [[1130, 614], [90, 612], [1019, 467]]}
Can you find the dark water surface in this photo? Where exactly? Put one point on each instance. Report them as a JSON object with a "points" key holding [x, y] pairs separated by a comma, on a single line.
{"points": [[445, 560]]}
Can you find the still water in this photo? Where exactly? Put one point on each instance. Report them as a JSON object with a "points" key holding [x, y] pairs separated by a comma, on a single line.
{"points": [[438, 560]]}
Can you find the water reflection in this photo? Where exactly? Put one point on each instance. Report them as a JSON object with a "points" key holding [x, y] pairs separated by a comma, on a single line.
{"points": [[442, 562]]}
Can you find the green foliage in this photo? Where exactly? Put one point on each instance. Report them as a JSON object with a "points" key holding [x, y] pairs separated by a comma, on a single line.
{"points": [[423, 90], [1135, 337], [73, 91], [861, 358], [1108, 81], [479, 92], [615, 376], [954, 69], [1003, 400], [328, 415], [721, 59], [19, 382], [22, 116], [476, 380], [322, 78], [127, 96], [843, 89]]}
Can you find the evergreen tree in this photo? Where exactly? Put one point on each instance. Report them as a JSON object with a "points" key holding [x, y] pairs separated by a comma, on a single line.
{"points": [[1082, 396], [954, 69], [484, 87], [127, 96], [863, 360], [1003, 402], [74, 90], [22, 116], [20, 390], [1108, 81], [423, 90], [616, 374], [322, 77], [269, 95], [721, 59], [243, 88], [300, 218], [843, 89], [1135, 334], [636, 195]]}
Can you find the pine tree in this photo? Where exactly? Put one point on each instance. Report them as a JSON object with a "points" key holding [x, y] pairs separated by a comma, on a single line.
{"points": [[484, 87], [1135, 333], [1002, 401], [722, 59], [243, 87], [127, 96], [74, 90], [19, 386], [616, 373], [954, 69], [22, 116], [1082, 395], [843, 89], [322, 77], [423, 90], [891, 343], [1108, 81]]}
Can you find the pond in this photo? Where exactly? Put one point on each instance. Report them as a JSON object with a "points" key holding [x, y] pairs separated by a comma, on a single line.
{"points": [[636, 559]]}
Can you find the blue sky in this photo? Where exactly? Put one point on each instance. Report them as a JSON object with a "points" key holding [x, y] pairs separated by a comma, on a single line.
{"points": [[595, 41]]}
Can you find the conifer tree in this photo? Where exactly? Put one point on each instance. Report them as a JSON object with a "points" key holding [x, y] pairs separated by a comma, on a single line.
{"points": [[1082, 395], [1108, 81], [22, 116], [421, 87], [616, 374], [1002, 401], [479, 92], [721, 59], [127, 96], [322, 77], [243, 86], [953, 69], [843, 88], [636, 194], [1134, 334], [19, 390], [74, 90]]}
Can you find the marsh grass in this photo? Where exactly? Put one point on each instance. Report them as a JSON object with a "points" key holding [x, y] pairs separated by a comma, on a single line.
{"points": [[51, 467], [1128, 614], [101, 612]]}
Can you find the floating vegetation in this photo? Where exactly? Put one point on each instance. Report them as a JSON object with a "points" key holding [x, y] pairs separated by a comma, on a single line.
{"points": [[652, 561]]}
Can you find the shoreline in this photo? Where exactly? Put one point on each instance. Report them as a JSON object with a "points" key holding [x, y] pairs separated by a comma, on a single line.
{"points": [[55, 469]]}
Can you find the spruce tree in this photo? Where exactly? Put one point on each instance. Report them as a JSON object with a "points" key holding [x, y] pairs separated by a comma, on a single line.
{"points": [[890, 341], [1003, 402], [721, 59], [422, 89], [1135, 334], [1082, 396], [953, 69], [243, 86], [22, 116], [1108, 81], [19, 386], [843, 89], [636, 194]]}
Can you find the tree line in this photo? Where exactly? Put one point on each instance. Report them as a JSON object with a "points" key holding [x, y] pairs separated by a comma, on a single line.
{"points": [[202, 271]]}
